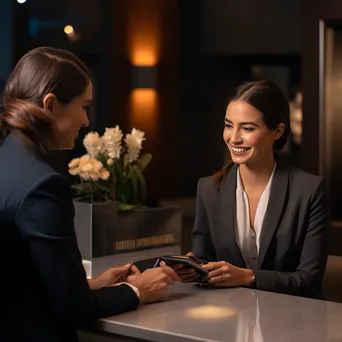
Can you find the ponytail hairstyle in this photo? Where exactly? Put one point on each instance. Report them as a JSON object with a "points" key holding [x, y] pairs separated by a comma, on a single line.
{"points": [[271, 101], [41, 71]]}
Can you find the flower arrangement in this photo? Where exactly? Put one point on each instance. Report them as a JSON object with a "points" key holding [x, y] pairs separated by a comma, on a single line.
{"points": [[112, 169]]}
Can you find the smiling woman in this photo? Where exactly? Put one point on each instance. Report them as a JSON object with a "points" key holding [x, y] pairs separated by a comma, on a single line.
{"points": [[260, 223], [257, 115]]}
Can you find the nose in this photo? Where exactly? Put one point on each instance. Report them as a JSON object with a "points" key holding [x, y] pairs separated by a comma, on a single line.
{"points": [[236, 136], [85, 122]]}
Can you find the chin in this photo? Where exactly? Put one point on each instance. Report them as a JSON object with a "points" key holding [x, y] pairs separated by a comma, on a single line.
{"points": [[240, 160], [68, 146], [246, 159]]}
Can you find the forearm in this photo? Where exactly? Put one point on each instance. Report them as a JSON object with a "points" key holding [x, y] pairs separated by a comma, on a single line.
{"points": [[298, 283]]}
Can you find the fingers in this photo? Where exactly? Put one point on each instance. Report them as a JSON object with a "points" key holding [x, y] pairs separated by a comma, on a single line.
{"points": [[170, 272], [190, 254], [134, 270], [218, 280], [217, 272], [131, 278], [210, 266], [120, 269]]}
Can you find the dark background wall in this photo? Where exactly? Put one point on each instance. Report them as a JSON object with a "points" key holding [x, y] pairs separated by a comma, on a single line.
{"points": [[6, 60], [204, 53], [220, 43], [238, 27]]}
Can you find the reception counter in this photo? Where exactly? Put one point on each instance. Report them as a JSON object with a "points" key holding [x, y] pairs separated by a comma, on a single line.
{"points": [[238, 315]]}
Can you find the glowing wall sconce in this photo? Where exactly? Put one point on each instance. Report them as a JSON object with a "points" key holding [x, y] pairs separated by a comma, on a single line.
{"points": [[144, 77]]}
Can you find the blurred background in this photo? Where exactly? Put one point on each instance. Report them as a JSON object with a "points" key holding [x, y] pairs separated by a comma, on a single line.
{"points": [[198, 52], [169, 67]]}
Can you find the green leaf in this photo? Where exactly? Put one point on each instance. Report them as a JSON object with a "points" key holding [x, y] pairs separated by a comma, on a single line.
{"points": [[144, 161], [134, 183], [119, 180], [142, 182], [130, 172]]}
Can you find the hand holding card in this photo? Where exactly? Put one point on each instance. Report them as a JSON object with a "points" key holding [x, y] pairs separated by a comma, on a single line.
{"points": [[187, 267]]}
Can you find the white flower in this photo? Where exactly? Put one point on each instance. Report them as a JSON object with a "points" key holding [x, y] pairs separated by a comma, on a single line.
{"points": [[138, 135], [74, 171], [97, 165], [112, 142], [95, 176], [84, 159], [74, 163], [87, 167], [84, 175], [93, 144], [104, 174], [110, 162], [134, 144]]}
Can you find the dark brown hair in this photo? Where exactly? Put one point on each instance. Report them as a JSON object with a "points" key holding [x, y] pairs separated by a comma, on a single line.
{"points": [[271, 101], [41, 71]]}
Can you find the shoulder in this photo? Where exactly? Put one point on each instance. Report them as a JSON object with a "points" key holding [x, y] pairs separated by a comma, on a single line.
{"points": [[23, 171], [206, 184], [304, 181]]}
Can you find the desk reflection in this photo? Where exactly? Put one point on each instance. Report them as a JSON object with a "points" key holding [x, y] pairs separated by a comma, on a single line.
{"points": [[236, 315]]}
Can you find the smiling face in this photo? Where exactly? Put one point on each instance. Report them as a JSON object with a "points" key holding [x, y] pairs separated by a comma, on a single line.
{"points": [[247, 137], [69, 118]]}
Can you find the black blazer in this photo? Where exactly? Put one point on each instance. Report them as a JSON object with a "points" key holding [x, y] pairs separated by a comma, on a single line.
{"points": [[44, 290], [293, 242]]}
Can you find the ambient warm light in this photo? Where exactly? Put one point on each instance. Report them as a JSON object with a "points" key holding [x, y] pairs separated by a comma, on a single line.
{"points": [[210, 311], [144, 98], [144, 109], [144, 57], [68, 29], [21, 1]]}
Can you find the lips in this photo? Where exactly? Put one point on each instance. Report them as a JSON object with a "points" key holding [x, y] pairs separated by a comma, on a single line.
{"points": [[239, 150]]}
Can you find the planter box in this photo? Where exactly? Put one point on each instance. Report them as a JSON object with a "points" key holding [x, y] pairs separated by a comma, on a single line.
{"points": [[101, 230]]}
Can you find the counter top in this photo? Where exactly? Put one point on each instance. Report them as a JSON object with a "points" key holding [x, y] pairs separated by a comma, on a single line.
{"points": [[238, 315]]}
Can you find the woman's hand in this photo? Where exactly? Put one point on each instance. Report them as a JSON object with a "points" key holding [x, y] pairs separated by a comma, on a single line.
{"points": [[186, 275], [113, 276], [152, 283], [222, 273]]}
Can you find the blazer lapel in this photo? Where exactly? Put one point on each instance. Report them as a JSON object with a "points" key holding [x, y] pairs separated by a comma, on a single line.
{"points": [[274, 210], [228, 217]]}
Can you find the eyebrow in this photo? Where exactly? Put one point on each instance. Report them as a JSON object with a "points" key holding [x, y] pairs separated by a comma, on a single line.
{"points": [[242, 123]]}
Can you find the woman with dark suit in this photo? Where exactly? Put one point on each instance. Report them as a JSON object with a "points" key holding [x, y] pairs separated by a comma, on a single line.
{"points": [[260, 223], [45, 294]]}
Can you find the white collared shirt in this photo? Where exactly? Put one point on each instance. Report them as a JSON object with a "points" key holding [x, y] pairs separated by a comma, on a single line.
{"points": [[247, 240]]}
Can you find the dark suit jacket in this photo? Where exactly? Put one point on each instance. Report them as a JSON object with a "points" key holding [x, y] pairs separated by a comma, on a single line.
{"points": [[293, 242], [44, 290]]}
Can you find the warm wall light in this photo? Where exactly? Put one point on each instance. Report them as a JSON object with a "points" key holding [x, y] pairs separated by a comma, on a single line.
{"points": [[144, 77], [143, 56], [144, 110], [68, 29]]}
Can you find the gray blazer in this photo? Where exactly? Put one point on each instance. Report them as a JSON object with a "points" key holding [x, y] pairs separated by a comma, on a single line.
{"points": [[293, 243]]}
